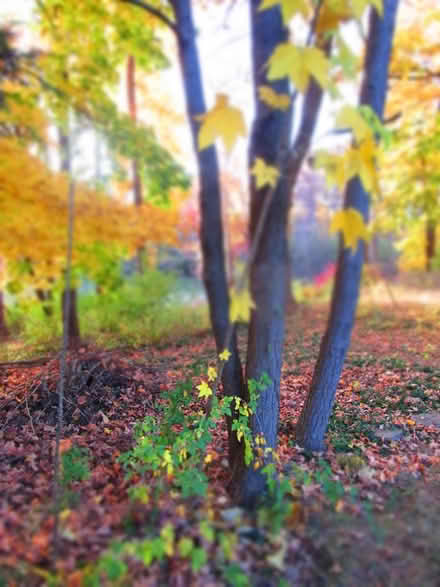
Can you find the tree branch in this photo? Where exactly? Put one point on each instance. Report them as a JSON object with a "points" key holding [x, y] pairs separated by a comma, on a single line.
{"points": [[155, 12]]}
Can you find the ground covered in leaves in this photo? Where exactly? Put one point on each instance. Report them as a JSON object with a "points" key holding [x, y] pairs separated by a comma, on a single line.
{"points": [[366, 512]]}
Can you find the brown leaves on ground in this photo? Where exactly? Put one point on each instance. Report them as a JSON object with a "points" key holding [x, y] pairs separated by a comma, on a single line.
{"points": [[377, 446]]}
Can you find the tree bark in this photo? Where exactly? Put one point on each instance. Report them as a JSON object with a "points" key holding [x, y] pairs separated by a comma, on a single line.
{"points": [[4, 332], [132, 108], [430, 244], [268, 271], [72, 324], [316, 412], [211, 231], [74, 335], [270, 140]]}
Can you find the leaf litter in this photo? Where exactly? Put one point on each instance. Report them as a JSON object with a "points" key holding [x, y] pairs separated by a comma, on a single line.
{"points": [[366, 509]]}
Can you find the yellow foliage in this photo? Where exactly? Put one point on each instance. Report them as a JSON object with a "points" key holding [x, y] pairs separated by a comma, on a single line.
{"points": [[222, 121], [264, 174], [33, 215], [351, 223], [273, 99], [241, 305], [299, 64], [289, 8]]}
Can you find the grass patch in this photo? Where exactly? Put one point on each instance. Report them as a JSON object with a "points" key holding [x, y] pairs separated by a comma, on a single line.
{"points": [[152, 308]]}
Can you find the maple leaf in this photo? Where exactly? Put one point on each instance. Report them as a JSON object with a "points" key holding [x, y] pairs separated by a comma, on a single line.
{"points": [[351, 223], [264, 174], [299, 63], [224, 355], [333, 13], [222, 121], [357, 160], [241, 305], [273, 99], [212, 373], [288, 8], [204, 389], [351, 117]]}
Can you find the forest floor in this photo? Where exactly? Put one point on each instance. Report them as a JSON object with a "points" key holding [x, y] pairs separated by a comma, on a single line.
{"points": [[365, 512]]}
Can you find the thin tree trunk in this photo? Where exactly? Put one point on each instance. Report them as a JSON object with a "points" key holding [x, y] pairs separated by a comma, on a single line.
{"points": [[316, 412], [430, 244], [73, 332], [132, 108], [71, 321], [211, 231], [4, 332]]}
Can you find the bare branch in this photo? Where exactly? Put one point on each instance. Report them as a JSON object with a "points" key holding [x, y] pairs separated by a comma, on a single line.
{"points": [[155, 12]]}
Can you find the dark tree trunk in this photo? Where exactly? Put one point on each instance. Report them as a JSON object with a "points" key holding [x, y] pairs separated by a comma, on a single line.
{"points": [[211, 231], [270, 140], [316, 412], [132, 108], [268, 271], [430, 244], [3, 328], [73, 322]]}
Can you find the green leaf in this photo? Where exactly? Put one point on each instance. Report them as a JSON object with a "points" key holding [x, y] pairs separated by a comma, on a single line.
{"points": [[198, 559]]}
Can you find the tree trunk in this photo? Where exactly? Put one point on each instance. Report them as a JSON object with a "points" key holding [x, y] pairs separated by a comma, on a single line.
{"points": [[211, 231], [316, 412], [132, 108], [430, 244], [3, 328], [270, 140], [73, 322], [268, 271]]}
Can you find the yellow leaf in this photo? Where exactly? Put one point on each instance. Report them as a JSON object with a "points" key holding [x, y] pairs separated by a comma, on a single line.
{"points": [[224, 355], [351, 223], [350, 117], [359, 6], [332, 14], [222, 121], [288, 8], [204, 389], [264, 174], [241, 305], [212, 373], [299, 63], [273, 99]]}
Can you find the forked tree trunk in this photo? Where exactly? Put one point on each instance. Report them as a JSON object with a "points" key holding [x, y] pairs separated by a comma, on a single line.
{"points": [[268, 270], [430, 244], [211, 231], [270, 140], [316, 412]]}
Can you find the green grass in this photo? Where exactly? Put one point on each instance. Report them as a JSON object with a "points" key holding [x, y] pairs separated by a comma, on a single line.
{"points": [[146, 309]]}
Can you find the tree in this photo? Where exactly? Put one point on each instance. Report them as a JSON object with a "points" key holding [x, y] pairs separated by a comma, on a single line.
{"points": [[314, 417], [274, 163]]}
